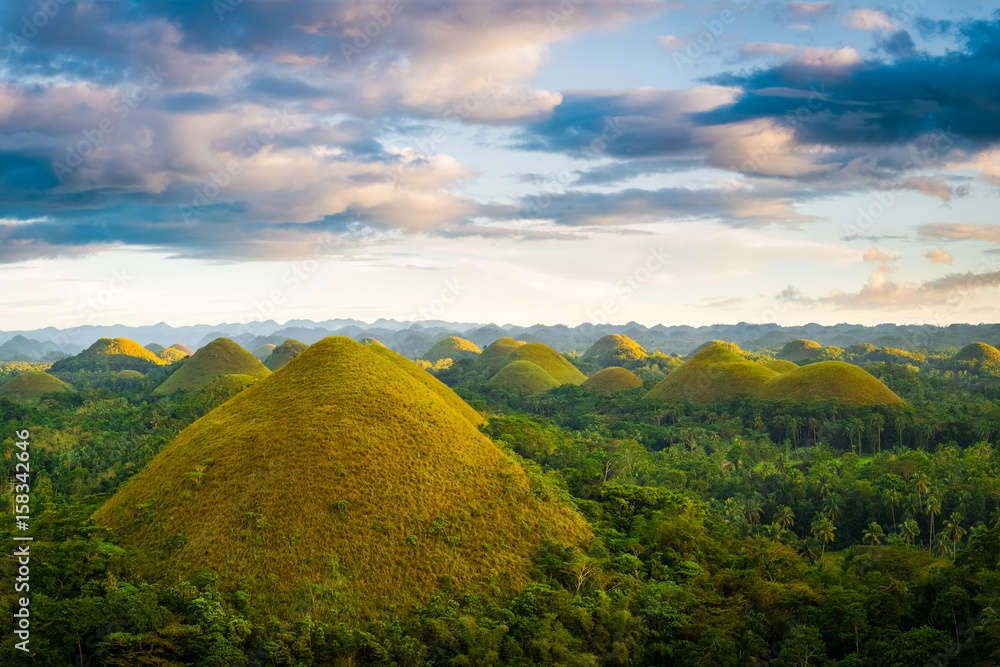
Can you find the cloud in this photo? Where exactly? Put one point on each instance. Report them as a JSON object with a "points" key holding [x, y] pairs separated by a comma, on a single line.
{"points": [[756, 49], [808, 8], [882, 258], [935, 187], [939, 256], [669, 43], [962, 231], [868, 19]]}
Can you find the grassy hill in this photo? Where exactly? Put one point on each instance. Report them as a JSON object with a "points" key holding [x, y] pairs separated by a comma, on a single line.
{"points": [[181, 347], [980, 355], [497, 352], [612, 378], [714, 374], [220, 357], [615, 350], [372, 341], [262, 352], [732, 347], [284, 353], [453, 348], [778, 365], [524, 377], [828, 379], [110, 354], [800, 349], [30, 386], [553, 363], [348, 481]]}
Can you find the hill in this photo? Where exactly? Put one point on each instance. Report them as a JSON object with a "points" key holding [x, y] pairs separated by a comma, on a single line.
{"points": [[714, 374], [30, 386], [524, 377], [453, 348], [284, 353], [553, 363], [20, 348], [615, 350], [350, 480], [980, 355], [800, 350], [110, 354], [497, 352], [612, 378], [262, 352], [778, 365], [220, 357], [828, 379], [732, 347], [371, 341]]}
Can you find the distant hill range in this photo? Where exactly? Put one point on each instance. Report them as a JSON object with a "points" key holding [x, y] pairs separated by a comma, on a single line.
{"points": [[415, 339]]}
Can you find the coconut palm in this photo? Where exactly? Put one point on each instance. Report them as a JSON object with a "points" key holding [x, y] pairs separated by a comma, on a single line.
{"points": [[823, 530], [893, 497], [955, 531], [752, 509], [873, 534], [910, 531], [832, 506], [785, 517], [933, 509], [921, 485]]}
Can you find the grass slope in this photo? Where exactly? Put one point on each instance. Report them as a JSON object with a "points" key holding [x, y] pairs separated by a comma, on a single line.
{"points": [[714, 374], [778, 365], [262, 352], [352, 473], [612, 378], [220, 357], [615, 350], [732, 347], [30, 386], [800, 349], [182, 348], [172, 354], [453, 348], [828, 379], [524, 377], [284, 353], [110, 354], [979, 354], [497, 352], [549, 360]]}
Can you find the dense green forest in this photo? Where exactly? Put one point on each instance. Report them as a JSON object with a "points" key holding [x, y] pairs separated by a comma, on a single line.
{"points": [[740, 532]]}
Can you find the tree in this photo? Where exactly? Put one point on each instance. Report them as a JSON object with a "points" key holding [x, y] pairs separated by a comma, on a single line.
{"points": [[877, 424], [910, 531], [873, 534], [785, 517], [955, 531], [920, 486], [933, 509], [893, 497], [823, 530], [832, 506]]}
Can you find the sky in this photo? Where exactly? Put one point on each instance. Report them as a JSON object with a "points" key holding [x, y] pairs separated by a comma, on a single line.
{"points": [[553, 162]]}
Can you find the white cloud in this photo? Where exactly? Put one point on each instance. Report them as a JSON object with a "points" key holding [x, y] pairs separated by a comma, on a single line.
{"points": [[868, 19], [670, 43], [939, 256]]}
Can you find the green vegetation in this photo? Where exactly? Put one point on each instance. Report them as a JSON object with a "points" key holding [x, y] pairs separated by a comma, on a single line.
{"points": [[453, 348], [496, 352], [613, 378], [732, 347], [171, 354], [220, 357], [110, 354], [615, 350], [714, 374], [523, 377], [978, 355], [553, 363], [800, 349], [828, 379], [284, 353], [778, 365], [372, 431], [262, 352], [31, 385]]}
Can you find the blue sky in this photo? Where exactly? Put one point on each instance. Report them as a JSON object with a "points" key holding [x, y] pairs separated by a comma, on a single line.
{"points": [[525, 162]]}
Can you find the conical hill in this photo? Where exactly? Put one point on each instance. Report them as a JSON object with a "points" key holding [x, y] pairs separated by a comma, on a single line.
{"points": [[828, 379], [800, 349], [496, 352], [262, 352], [284, 353], [615, 350], [453, 348], [110, 354], [611, 379], [524, 377], [982, 355], [220, 357], [348, 480], [553, 363], [714, 374], [29, 386]]}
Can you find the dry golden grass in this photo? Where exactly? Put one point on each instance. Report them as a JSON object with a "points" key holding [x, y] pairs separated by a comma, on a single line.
{"points": [[549, 360], [778, 365], [29, 386], [220, 357], [613, 378], [733, 347], [714, 374], [452, 347], [114, 354], [351, 472], [524, 377], [497, 351], [828, 379], [800, 349]]}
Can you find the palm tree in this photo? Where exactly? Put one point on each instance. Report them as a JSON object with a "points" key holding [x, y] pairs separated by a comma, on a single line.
{"points": [[910, 531], [878, 425], [933, 509], [785, 517], [832, 504], [893, 496], [873, 534], [921, 485], [823, 530], [955, 531], [774, 531], [825, 485], [753, 509]]}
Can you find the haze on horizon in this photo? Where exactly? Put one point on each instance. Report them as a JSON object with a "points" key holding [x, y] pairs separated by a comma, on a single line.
{"points": [[524, 162]]}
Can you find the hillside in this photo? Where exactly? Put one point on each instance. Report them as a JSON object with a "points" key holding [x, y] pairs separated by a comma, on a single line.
{"points": [[110, 354], [220, 357], [778, 365], [714, 374], [613, 378], [496, 352], [800, 350], [732, 347], [828, 379], [524, 377], [30, 386], [553, 363], [262, 352], [980, 355], [284, 353], [453, 348], [372, 487], [615, 350]]}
